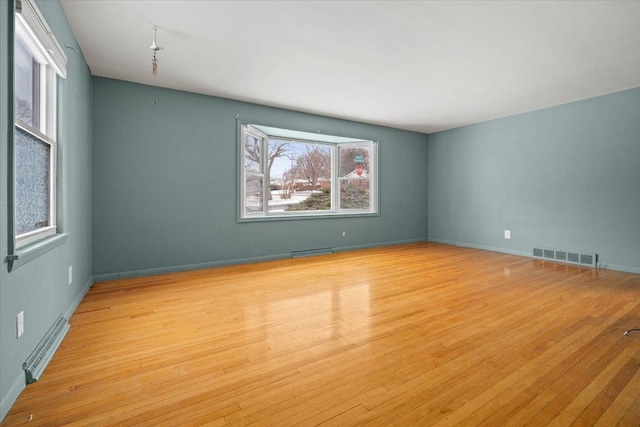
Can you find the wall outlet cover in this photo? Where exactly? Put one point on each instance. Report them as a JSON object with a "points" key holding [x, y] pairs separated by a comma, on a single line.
{"points": [[20, 324]]}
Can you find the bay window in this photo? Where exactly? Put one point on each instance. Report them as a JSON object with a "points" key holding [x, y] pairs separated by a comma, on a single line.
{"points": [[292, 174]]}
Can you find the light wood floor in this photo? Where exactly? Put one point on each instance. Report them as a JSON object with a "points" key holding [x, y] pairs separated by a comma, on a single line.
{"points": [[422, 334]]}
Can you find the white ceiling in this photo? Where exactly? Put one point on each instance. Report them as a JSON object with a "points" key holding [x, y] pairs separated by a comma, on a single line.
{"points": [[423, 66]]}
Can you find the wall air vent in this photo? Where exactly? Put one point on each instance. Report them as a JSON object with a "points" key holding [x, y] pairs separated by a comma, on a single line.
{"points": [[311, 252], [41, 356], [587, 259]]}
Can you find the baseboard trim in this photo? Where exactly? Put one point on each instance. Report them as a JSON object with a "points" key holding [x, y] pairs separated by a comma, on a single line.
{"points": [[76, 302], [379, 245], [12, 395], [608, 266], [482, 247], [201, 266], [617, 267], [187, 267], [21, 382]]}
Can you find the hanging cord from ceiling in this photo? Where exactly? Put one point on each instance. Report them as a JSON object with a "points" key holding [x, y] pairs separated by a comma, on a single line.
{"points": [[154, 61]]}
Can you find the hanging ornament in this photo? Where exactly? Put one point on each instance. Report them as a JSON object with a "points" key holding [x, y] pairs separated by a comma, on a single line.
{"points": [[155, 48], [154, 61], [154, 65]]}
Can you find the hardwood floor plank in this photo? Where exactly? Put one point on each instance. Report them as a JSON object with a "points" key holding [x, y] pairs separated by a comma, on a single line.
{"points": [[594, 411], [613, 413], [419, 334]]}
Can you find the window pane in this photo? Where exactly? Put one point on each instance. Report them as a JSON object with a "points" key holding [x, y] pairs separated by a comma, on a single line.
{"points": [[252, 152], [354, 162], [253, 194], [311, 200], [26, 86], [301, 177], [312, 165], [354, 193], [281, 181], [32, 181]]}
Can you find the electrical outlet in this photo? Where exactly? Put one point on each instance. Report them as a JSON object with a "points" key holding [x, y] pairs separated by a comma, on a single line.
{"points": [[70, 274], [344, 234], [507, 234], [20, 324]]}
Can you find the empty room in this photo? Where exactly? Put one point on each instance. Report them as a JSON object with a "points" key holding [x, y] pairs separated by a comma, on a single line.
{"points": [[301, 213]]}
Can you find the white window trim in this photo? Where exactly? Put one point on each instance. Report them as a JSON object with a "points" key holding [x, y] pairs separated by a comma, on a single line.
{"points": [[372, 177], [35, 235], [29, 16], [336, 210], [34, 33], [243, 189]]}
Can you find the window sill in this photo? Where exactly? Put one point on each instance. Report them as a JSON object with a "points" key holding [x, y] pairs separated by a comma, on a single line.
{"points": [[308, 216], [35, 250]]}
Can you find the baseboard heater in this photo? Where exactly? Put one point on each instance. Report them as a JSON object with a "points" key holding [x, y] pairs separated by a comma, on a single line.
{"points": [[569, 257], [41, 356], [311, 252]]}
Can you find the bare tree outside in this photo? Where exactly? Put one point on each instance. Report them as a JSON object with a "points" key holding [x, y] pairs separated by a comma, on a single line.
{"points": [[314, 163], [277, 149], [287, 185], [252, 153]]}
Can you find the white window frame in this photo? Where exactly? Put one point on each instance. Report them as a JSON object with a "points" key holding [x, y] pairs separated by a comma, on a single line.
{"points": [[309, 138], [372, 175], [34, 34], [247, 130]]}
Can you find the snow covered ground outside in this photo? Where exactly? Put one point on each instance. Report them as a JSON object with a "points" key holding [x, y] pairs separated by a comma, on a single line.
{"points": [[278, 204]]}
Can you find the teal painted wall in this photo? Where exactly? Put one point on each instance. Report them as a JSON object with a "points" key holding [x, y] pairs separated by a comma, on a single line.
{"points": [[165, 176], [40, 287], [149, 189], [566, 177]]}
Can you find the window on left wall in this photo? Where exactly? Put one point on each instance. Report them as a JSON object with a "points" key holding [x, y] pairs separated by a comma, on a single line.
{"points": [[38, 59]]}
